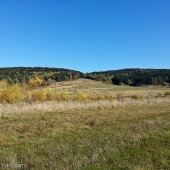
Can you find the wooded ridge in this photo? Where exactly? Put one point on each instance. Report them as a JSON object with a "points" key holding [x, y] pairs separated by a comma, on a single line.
{"points": [[132, 77]]}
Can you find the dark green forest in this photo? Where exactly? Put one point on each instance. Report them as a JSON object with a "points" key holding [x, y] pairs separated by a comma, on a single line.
{"points": [[132, 77]]}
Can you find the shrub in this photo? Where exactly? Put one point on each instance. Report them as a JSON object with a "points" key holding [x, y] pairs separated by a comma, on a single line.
{"points": [[36, 82], [61, 96], [95, 96], [49, 93], [137, 97], [108, 96], [28, 96], [80, 96], [3, 84], [92, 96], [38, 96], [99, 96], [64, 96], [11, 94], [167, 93]]}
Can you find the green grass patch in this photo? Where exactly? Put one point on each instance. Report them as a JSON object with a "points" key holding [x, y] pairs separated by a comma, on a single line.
{"points": [[124, 87], [117, 138]]}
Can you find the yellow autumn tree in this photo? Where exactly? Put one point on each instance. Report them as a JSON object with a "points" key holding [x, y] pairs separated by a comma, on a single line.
{"points": [[3, 84], [36, 82], [38, 95], [11, 94]]}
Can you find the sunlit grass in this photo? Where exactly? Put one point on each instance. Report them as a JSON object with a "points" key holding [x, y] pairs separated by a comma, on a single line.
{"points": [[124, 87], [133, 137], [85, 124]]}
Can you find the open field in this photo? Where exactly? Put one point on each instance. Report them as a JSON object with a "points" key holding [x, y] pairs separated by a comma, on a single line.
{"points": [[84, 84], [130, 130], [77, 90], [89, 87], [133, 137]]}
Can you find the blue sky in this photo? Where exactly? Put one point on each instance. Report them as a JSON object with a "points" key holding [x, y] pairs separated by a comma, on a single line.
{"points": [[85, 35]]}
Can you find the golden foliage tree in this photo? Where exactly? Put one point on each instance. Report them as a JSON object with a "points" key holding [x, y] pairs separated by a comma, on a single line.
{"points": [[36, 82], [11, 94]]}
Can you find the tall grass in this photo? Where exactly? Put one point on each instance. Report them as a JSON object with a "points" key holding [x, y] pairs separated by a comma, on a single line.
{"points": [[53, 106], [14, 94], [18, 93]]}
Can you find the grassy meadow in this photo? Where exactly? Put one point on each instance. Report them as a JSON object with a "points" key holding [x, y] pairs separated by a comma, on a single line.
{"points": [[86, 124]]}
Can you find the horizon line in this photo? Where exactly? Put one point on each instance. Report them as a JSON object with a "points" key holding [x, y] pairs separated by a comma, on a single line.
{"points": [[83, 71]]}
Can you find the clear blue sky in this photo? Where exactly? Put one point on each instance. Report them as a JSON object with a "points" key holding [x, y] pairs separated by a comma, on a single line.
{"points": [[85, 35]]}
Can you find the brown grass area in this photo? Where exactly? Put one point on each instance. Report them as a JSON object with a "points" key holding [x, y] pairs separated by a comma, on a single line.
{"points": [[53, 106]]}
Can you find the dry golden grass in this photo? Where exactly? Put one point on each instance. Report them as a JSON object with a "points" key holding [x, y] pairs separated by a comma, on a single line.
{"points": [[52, 106]]}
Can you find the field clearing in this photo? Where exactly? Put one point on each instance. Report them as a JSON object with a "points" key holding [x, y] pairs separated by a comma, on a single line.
{"points": [[76, 90], [90, 86], [129, 131], [125, 88], [133, 137], [84, 84]]}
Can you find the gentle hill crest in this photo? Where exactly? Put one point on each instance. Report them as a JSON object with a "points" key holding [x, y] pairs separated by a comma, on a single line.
{"points": [[132, 76]]}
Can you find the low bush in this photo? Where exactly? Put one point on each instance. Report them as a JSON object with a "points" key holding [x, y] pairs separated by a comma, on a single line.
{"points": [[80, 97], [59, 96], [11, 94], [38, 96], [167, 93], [36, 82], [3, 84], [137, 97], [50, 95], [108, 96]]}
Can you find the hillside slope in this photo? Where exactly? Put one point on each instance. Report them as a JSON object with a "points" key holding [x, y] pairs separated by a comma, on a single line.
{"points": [[134, 77], [15, 75]]}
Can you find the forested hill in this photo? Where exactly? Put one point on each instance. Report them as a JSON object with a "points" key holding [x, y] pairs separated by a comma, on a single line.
{"points": [[15, 75], [46, 75], [133, 77]]}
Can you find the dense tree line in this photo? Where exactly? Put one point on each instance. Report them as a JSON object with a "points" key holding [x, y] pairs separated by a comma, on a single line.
{"points": [[133, 77], [14, 75]]}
